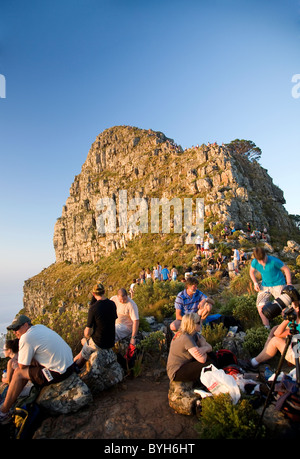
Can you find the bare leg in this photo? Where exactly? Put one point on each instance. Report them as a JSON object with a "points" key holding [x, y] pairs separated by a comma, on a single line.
{"points": [[270, 350], [18, 382], [80, 361]]}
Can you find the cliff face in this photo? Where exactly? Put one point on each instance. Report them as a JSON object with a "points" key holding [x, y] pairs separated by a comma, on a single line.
{"points": [[146, 164]]}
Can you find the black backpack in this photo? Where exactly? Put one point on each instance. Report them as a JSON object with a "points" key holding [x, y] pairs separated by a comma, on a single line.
{"points": [[26, 416]]}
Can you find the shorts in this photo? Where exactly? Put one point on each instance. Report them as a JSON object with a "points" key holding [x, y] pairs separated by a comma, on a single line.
{"points": [[122, 332], [38, 377], [290, 355], [88, 348], [265, 294]]}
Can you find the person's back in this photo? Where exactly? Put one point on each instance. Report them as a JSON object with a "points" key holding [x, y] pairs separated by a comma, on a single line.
{"points": [[46, 347], [101, 318]]}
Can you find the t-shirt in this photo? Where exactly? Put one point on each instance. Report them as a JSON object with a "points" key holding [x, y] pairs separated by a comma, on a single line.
{"points": [[127, 312], [179, 354], [165, 273], [188, 304], [101, 317], [46, 347], [271, 273]]}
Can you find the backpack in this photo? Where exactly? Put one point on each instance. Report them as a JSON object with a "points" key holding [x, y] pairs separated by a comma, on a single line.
{"points": [[288, 398], [26, 416], [225, 358]]}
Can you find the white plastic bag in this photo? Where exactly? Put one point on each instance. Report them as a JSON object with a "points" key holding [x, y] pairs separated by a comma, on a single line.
{"points": [[218, 382]]}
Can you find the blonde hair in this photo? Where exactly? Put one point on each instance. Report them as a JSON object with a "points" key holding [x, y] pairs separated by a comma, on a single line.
{"points": [[188, 322]]}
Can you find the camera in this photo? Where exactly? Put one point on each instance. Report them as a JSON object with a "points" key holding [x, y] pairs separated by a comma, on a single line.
{"points": [[290, 314], [282, 303]]}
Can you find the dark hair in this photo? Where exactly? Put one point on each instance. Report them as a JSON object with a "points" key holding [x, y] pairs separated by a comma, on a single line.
{"points": [[192, 280], [259, 253], [12, 344]]}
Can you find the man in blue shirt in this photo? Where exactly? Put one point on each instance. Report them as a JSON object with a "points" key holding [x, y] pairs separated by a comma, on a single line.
{"points": [[275, 275], [165, 273], [191, 300]]}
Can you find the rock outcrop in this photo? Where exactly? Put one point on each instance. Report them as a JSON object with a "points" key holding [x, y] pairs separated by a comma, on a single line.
{"points": [[102, 371], [68, 396], [145, 164]]}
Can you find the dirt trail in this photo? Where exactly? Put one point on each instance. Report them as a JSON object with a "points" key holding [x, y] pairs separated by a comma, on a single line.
{"points": [[134, 409]]}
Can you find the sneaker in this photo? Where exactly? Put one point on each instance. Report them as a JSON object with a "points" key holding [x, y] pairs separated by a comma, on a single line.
{"points": [[247, 366]]}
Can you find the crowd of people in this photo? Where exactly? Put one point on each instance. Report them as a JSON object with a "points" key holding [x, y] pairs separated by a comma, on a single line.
{"points": [[39, 356]]}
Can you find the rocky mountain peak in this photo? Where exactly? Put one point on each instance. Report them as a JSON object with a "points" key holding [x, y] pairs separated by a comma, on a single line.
{"points": [[147, 164]]}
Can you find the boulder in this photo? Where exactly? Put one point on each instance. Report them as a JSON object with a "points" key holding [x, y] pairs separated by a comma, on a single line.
{"points": [[102, 371], [182, 397], [67, 396]]}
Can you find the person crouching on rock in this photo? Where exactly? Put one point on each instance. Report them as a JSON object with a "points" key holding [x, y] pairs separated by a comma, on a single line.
{"points": [[44, 358], [100, 328], [189, 351]]}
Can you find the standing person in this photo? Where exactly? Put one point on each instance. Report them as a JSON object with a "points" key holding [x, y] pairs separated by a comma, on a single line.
{"points": [[165, 273], [174, 273], [44, 358], [159, 269], [148, 274], [132, 286], [189, 351], [127, 322], [275, 275], [191, 300], [99, 332], [236, 258]]}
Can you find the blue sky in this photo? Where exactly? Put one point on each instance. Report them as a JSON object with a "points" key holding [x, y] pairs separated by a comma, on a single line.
{"points": [[200, 71]]}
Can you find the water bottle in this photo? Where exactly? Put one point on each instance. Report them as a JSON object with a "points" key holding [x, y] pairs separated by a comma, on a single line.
{"points": [[268, 373], [4, 374]]}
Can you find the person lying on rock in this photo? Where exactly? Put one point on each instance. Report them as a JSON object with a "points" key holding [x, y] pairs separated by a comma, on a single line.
{"points": [[191, 299], [44, 358], [189, 351], [99, 332], [127, 323]]}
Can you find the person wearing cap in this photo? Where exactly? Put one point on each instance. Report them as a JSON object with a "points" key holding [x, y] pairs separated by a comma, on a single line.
{"points": [[44, 358], [99, 332]]}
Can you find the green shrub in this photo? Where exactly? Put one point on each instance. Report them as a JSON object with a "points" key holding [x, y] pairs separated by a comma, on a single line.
{"points": [[157, 298], [220, 419], [214, 335], [242, 283], [244, 309], [255, 339]]}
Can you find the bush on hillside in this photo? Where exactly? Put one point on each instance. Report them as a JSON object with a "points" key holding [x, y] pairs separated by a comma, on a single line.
{"points": [[220, 419], [214, 335], [157, 298], [244, 309], [255, 340]]}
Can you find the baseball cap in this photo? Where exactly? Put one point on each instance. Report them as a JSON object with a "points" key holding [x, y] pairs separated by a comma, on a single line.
{"points": [[18, 322]]}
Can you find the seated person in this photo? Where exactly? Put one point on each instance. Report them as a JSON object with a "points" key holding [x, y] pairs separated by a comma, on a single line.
{"points": [[191, 300], [189, 351], [127, 322], [11, 349], [99, 332], [277, 341], [44, 358]]}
